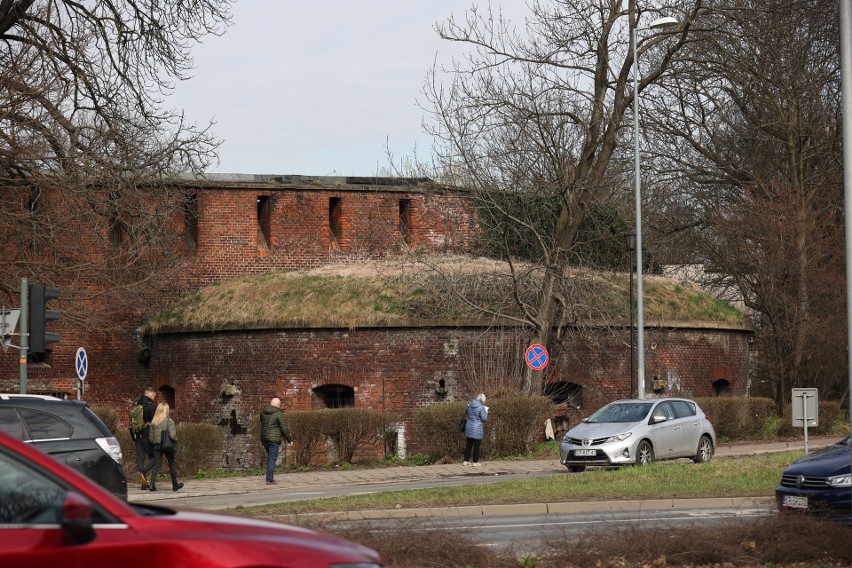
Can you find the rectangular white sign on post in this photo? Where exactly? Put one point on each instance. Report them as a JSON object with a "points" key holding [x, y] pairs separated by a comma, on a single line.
{"points": [[8, 323], [805, 410], [805, 407]]}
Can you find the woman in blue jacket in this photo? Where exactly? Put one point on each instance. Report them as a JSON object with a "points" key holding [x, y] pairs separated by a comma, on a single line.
{"points": [[477, 414]]}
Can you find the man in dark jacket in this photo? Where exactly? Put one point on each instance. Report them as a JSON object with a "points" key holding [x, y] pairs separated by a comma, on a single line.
{"points": [[144, 450], [273, 427]]}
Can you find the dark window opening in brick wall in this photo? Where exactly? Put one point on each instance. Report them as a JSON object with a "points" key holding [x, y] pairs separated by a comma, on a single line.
{"points": [[721, 387], [334, 396], [190, 218], [405, 221], [562, 392], [335, 222], [166, 394], [264, 221]]}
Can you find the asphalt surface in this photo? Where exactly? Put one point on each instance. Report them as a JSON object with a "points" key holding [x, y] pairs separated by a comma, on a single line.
{"points": [[223, 493]]}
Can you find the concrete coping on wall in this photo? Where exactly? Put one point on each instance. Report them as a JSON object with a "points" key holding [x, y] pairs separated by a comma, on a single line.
{"points": [[412, 323], [307, 183]]}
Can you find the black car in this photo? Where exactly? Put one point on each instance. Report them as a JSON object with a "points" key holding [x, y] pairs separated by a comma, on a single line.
{"points": [[819, 483], [69, 431]]}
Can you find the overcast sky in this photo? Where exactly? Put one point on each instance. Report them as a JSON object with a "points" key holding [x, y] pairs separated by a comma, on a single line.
{"points": [[318, 88]]}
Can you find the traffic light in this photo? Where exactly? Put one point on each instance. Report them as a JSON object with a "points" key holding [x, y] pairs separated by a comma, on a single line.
{"points": [[40, 315]]}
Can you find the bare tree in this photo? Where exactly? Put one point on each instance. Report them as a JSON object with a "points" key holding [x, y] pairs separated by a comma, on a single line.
{"points": [[86, 145], [535, 116], [751, 169]]}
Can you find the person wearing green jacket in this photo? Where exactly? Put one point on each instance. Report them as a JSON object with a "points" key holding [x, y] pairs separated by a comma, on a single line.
{"points": [[273, 428]]}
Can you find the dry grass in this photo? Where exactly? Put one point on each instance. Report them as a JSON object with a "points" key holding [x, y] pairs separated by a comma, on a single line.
{"points": [[422, 289], [776, 541]]}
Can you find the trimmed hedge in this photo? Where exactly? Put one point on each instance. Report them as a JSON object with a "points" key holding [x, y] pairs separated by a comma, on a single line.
{"points": [[199, 446], [737, 419], [320, 436], [514, 424]]}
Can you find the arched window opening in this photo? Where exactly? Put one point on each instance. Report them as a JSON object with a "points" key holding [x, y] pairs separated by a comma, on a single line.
{"points": [[166, 393], [334, 396], [563, 392], [721, 387]]}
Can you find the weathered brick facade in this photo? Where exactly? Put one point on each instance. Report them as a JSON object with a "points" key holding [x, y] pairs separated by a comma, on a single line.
{"points": [[237, 225], [397, 369], [251, 224]]}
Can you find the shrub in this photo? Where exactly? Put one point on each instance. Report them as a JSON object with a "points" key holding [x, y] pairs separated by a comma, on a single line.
{"points": [[435, 427], [108, 416], [736, 418], [199, 448], [310, 436], [829, 412], [353, 428], [514, 424]]}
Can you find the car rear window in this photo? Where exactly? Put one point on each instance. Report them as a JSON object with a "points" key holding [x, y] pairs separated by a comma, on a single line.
{"points": [[44, 426], [683, 408], [10, 423]]}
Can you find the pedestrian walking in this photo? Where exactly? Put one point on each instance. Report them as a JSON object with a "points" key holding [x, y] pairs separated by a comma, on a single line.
{"points": [[163, 437], [273, 429], [474, 429], [141, 414]]}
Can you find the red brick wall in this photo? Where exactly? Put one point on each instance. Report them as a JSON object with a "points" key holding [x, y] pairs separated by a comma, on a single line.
{"points": [[300, 233], [226, 245], [397, 368]]}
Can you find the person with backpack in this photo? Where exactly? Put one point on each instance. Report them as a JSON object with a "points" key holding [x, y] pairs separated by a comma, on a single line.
{"points": [[141, 414], [163, 438]]}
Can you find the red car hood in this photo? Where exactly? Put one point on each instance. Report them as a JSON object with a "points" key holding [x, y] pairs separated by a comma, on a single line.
{"points": [[262, 538]]}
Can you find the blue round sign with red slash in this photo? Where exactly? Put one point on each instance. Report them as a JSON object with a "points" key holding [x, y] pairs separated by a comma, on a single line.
{"points": [[536, 357]]}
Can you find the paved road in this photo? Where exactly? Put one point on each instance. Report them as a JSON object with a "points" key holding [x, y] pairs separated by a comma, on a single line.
{"points": [[225, 493]]}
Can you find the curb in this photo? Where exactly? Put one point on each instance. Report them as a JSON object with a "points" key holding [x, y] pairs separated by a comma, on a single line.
{"points": [[526, 509]]}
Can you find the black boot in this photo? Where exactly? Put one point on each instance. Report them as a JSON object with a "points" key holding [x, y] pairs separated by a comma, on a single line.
{"points": [[152, 487], [177, 486]]}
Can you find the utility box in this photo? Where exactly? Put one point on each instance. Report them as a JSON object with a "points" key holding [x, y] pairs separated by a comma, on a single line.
{"points": [[805, 405]]}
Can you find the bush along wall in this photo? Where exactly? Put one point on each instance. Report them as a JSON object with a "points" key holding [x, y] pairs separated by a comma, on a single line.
{"points": [[737, 419], [330, 436], [515, 424]]}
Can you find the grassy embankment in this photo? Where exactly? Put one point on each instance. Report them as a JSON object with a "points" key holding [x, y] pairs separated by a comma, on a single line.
{"points": [[743, 477]]}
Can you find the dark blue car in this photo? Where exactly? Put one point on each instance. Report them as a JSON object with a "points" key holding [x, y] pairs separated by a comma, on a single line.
{"points": [[819, 483]]}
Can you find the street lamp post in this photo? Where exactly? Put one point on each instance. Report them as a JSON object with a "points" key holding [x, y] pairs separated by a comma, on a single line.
{"points": [[640, 308], [630, 239]]}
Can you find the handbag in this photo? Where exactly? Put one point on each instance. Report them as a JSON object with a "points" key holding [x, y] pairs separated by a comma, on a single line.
{"points": [[167, 445], [462, 424]]}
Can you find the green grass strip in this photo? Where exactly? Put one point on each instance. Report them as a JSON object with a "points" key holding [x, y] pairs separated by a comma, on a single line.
{"points": [[741, 477]]}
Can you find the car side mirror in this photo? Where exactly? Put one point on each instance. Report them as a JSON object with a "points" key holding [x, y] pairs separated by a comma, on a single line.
{"points": [[658, 418], [77, 519]]}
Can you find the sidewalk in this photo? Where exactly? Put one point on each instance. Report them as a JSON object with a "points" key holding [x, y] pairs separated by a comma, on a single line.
{"points": [[294, 483]]}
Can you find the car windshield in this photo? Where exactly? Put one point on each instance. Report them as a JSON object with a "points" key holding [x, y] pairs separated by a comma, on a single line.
{"points": [[621, 412]]}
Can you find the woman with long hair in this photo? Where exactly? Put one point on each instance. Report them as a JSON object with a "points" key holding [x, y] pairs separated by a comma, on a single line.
{"points": [[163, 425]]}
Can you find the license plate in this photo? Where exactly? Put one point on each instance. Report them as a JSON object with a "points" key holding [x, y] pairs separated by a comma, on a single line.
{"points": [[795, 502], [584, 453]]}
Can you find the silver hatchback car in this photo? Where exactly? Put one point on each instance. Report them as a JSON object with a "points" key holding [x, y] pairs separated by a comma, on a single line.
{"points": [[639, 432]]}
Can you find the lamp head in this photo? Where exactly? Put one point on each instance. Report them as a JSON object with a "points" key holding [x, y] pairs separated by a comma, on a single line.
{"points": [[665, 22]]}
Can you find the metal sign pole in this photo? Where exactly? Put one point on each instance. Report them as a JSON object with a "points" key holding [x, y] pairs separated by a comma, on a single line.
{"points": [[846, 103], [805, 417], [25, 338]]}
